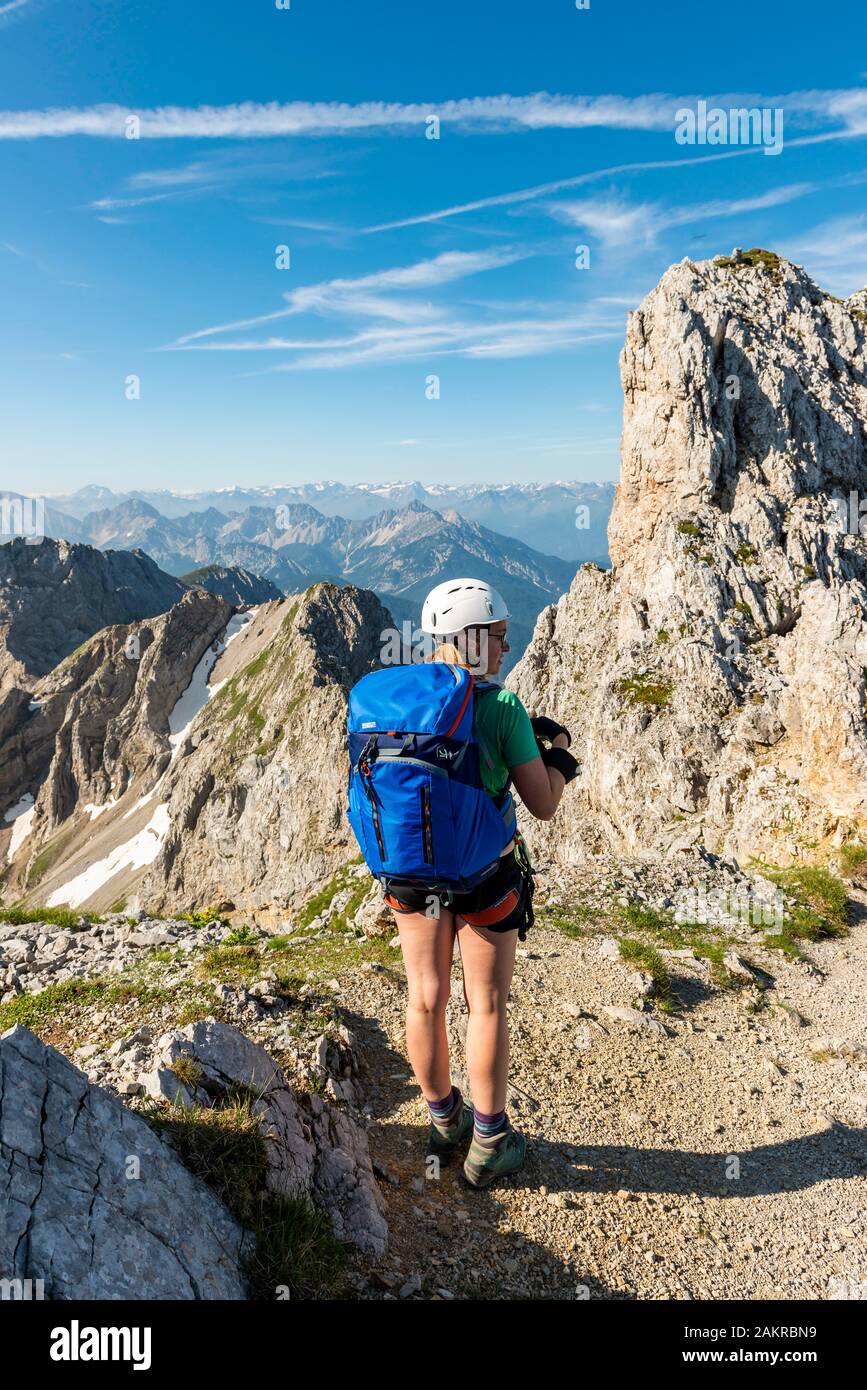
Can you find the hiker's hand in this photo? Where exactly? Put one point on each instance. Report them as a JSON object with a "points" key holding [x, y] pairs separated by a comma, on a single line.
{"points": [[543, 727], [558, 741]]}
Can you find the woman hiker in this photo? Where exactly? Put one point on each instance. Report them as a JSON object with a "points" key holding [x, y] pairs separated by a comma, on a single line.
{"points": [[469, 622]]}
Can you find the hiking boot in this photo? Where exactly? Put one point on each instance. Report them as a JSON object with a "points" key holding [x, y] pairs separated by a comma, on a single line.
{"points": [[443, 1139], [494, 1156]]}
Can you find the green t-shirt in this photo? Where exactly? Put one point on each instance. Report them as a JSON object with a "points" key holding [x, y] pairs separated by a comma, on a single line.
{"points": [[502, 726]]}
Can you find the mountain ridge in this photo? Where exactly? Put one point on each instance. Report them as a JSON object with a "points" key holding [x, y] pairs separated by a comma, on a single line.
{"points": [[716, 676], [548, 524], [402, 552]]}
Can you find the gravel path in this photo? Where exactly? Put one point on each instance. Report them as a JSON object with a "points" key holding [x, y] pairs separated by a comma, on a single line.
{"points": [[725, 1158]]}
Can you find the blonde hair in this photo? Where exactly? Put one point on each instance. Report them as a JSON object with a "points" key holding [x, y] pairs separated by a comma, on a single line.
{"points": [[450, 651], [447, 651]]}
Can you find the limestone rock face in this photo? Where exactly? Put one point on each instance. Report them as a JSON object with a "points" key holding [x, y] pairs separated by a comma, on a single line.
{"points": [[314, 1150], [257, 801], [98, 727], [55, 595], [714, 679], [93, 1202], [236, 585], [196, 760]]}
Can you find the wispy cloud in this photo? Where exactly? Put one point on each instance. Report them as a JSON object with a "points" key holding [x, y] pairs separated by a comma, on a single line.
{"points": [[108, 204], [543, 190], [834, 253], [201, 171], [11, 9], [505, 339], [611, 219], [303, 224], [386, 323], [382, 343], [371, 295], [845, 108], [258, 120], [615, 221], [220, 171]]}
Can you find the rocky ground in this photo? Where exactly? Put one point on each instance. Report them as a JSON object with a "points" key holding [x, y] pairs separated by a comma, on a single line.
{"points": [[696, 1118], [722, 1158]]}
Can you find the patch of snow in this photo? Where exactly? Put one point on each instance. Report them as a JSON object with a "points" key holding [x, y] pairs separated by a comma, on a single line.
{"points": [[234, 627], [141, 850], [142, 801], [194, 698], [21, 815], [95, 811], [199, 692]]}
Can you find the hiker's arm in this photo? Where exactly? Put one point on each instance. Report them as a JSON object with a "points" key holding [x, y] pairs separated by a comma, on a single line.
{"points": [[539, 786]]}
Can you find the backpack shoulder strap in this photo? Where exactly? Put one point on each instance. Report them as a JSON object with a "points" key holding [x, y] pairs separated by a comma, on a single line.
{"points": [[482, 687]]}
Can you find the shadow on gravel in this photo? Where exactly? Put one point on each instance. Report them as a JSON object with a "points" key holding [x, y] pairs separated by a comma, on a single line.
{"points": [[790, 1166], [857, 909], [690, 992], [425, 1233]]}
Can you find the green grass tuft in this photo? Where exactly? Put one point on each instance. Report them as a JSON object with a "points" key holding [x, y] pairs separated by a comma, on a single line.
{"points": [[647, 958], [296, 1249], [757, 258], [53, 916], [322, 900], [240, 936], [818, 894], [646, 689], [203, 918], [681, 936], [570, 921], [853, 859]]}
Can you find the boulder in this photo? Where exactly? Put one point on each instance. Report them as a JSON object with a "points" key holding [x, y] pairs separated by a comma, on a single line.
{"points": [[92, 1201], [314, 1149], [713, 678]]}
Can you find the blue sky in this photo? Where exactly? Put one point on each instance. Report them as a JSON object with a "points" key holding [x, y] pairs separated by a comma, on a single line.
{"points": [[262, 127]]}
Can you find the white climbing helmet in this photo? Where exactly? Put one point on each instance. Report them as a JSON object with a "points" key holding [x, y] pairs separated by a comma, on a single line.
{"points": [[461, 603]]}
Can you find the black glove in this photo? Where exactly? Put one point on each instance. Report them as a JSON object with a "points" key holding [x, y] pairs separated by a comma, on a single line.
{"points": [[563, 760], [543, 727]]}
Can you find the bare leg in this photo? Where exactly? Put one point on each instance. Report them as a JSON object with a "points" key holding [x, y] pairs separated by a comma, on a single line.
{"points": [[488, 960], [428, 945]]}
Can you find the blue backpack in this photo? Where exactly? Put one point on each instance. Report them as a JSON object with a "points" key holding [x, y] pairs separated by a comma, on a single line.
{"points": [[417, 803]]}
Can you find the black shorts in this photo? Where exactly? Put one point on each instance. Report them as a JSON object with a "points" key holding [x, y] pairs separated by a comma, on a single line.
{"points": [[502, 902]]}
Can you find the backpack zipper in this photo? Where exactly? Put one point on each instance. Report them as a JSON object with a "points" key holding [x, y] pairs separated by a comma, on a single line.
{"points": [[426, 827], [374, 809]]}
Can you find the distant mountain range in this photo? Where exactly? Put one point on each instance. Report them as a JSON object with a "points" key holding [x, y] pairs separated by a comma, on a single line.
{"points": [[542, 515], [399, 554], [56, 595], [237, 586]]}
